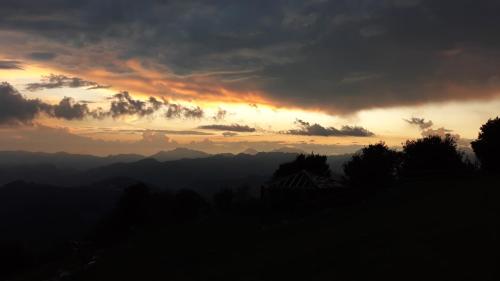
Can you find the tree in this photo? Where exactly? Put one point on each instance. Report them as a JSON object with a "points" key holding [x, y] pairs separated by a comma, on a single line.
{"points": [[487, 145], [374, 166], [431, 155], [314, 163]]}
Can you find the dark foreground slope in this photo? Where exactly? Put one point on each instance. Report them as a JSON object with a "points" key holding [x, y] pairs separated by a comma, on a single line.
{"points": [[421, 230]]}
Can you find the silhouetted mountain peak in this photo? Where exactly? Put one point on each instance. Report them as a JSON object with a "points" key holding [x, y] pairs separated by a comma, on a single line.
{"points": [[286, 149], [250, 151], [179, 153]]}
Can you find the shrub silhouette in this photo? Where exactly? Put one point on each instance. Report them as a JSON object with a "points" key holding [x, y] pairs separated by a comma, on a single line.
{"points": [[431, 155], [189, 205], [374, 166], [313, 163], [224, 199], [133, 206], [487, 146]]}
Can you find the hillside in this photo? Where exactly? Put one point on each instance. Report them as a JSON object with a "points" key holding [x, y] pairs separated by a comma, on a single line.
{"points": [[437, 229]]}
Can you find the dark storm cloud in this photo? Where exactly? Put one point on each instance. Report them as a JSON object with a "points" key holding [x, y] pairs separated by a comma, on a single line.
{"points": [[340, 56], [54, 81], [420, 122], [230, 128], [10, 64], [308, 129]]}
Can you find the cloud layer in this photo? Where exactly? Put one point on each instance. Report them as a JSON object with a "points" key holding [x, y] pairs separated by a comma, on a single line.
{"points": [[339, 56], [43, 138]]}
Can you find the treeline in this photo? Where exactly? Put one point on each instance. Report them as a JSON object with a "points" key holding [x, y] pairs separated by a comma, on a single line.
{"points": [[377, 166]]}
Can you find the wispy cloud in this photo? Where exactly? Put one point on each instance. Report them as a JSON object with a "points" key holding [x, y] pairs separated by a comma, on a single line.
{"points": [[420, 122], [220, 115], [54, 81], [10, 64], [229, 128]]}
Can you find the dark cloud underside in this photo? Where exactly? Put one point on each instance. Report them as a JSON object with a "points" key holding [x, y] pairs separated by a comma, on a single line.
{"points": [[42, 56], [340, 56]]}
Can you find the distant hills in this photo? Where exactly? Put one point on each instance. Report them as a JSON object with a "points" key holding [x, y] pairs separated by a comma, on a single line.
{"points": [[69, 161], [175, 169], [205, 175], [63, 160], [289, 150]]}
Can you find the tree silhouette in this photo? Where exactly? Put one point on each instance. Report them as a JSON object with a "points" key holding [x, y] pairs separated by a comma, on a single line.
{"points": [[487, 146], [374, 166], [313, 163], [431, 155]]}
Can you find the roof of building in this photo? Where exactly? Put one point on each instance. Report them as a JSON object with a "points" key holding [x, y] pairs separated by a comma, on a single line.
{"points": [[303, 180]]}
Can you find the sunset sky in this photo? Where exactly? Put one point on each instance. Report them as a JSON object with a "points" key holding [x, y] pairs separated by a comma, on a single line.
{"points": [[107, 77]]}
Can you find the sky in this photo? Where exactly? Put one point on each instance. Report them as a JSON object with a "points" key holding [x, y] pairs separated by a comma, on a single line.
{"points": [[107, 76]]}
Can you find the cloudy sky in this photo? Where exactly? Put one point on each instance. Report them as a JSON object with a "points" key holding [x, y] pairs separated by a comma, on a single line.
{"points": [[109, 76]]}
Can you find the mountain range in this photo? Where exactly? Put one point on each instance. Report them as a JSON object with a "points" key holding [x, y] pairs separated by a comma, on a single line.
{"points": [[176, 169]]}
